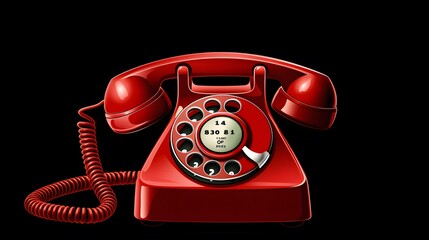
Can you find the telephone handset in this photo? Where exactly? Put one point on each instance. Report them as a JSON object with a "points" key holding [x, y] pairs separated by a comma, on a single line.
{"points": [[221, 157]]}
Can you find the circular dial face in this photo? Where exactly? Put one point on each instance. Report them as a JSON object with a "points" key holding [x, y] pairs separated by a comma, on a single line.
{"points": [[221, 139], [221, 134]]}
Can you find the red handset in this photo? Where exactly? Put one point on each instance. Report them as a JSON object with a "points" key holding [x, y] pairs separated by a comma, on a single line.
{"points": [[221, 157]]}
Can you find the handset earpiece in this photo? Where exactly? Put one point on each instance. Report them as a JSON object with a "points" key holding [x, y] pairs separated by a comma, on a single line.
{"points": [[309, 100], [131, 103]]}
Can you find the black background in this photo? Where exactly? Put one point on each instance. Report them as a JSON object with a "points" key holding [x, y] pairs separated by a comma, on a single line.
{"points": [[59, 69]]}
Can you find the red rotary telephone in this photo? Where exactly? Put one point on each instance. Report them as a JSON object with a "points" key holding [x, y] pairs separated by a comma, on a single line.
{"points": [[221, 158]]}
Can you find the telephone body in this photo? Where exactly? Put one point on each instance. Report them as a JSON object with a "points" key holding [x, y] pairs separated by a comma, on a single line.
{"points": [[221, 157]]}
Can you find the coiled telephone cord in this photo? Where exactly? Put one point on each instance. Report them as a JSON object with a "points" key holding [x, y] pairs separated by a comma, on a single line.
{"points": [[37, 202]]}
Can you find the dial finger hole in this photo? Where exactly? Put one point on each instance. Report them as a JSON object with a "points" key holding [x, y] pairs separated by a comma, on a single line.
{"points": [[195, 114], [184, 129], [184, 145], [232, 167], [232, 106], [194, 160], [212, 168], [212, 106]]}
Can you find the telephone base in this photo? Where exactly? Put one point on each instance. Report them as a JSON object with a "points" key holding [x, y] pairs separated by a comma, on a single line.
{"points": [[246, 202]]}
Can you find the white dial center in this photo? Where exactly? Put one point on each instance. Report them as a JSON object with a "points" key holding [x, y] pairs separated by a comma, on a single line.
{"points": [[221, 134]]}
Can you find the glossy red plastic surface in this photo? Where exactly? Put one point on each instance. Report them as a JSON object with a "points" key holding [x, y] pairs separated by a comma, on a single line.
{"points": [[141, 116], [123, 94], [256, 136], [229, 64], [278, 192], [299, 112], [130, 91]]}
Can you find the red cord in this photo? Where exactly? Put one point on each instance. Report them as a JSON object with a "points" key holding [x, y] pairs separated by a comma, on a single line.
{"points": [[37, 202]]}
